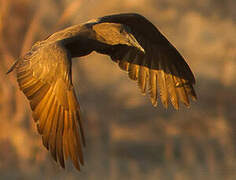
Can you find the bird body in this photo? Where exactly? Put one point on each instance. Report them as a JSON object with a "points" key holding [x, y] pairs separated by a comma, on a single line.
{"points": [[44, 75]]}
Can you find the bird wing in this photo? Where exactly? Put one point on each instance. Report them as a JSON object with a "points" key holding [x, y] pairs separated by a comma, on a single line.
{"points": [[160, 68], [44, 76]]}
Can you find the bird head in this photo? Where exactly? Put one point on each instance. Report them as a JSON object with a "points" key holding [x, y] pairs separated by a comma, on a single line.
{"points": [[115, 33]]}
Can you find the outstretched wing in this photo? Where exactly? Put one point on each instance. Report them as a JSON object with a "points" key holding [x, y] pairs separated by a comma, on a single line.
{"points": [[160, 67], [45, 78]]}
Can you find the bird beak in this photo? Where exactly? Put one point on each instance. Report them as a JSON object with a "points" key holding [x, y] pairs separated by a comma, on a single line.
{"points": [[132, 40]]}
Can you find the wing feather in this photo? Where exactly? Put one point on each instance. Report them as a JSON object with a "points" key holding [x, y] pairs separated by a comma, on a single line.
{"points": [[59, 139], [66, 134], [124, 65], [153, 86], [43, 110], [183, 96], [171, 88], [53, 114], [161, 79], [142, 78], [133, 71]]}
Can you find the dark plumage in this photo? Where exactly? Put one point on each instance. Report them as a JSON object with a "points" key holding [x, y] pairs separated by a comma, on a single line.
{"points": [[44, 75]]}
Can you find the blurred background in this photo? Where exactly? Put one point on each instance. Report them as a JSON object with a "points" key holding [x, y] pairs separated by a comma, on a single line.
{"points": [[126, 137]]}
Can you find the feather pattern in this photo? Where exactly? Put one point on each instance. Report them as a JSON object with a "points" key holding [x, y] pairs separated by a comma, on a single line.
{"points": [[50, 104]]}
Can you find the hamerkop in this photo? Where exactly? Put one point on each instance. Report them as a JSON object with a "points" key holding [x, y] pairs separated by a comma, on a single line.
{"points": [[133, 42]]}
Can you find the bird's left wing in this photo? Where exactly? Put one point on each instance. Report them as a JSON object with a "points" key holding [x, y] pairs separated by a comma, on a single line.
{"points": [[45, 78]]}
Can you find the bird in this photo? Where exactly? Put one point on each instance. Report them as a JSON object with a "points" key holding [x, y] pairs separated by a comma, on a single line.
{"points": [[132, 41]]}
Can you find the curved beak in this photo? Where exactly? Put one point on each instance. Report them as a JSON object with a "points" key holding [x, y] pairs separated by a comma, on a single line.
{"points": [[132, 40]]}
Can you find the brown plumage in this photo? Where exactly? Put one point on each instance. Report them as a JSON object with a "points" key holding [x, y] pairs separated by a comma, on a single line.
{"points": [[44, 75]]}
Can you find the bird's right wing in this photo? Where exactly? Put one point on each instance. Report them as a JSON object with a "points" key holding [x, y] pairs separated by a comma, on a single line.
{"points": [[159, 67]]}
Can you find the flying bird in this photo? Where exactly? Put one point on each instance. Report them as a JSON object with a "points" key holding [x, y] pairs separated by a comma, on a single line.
{"points": [[131, 41]]}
